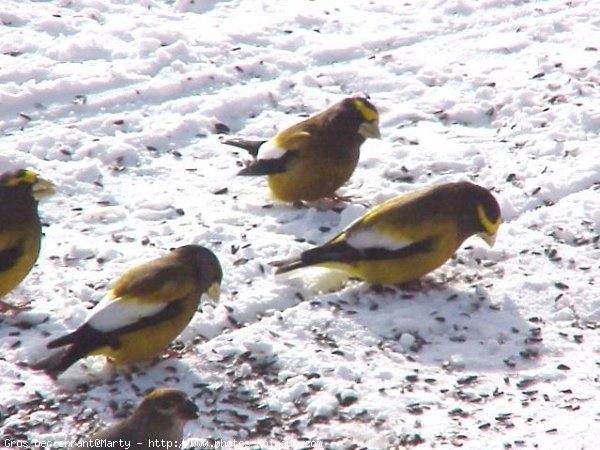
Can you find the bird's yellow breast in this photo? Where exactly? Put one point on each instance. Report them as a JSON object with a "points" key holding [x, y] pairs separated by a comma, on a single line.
{"points": [[311, 176], [395, 271], [10, 278]]}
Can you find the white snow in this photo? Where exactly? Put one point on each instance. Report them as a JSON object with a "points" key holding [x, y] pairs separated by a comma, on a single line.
{"points": [[121, 102]]}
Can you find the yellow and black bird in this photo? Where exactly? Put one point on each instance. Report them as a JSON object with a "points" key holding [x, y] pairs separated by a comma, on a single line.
{"points": [[20, 227], [312, 159], [148, 306], [408, 236], [157, 422]]}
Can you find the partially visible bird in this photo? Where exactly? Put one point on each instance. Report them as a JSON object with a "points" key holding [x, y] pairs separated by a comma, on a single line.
{"points": [[312, 159], [148, 306], [20, 228], [408, 236], [157, 422]]}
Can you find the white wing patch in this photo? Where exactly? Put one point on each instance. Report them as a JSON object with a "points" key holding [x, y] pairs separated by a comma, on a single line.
{"points": [[270, 151], [369, 238], [111, 313]]}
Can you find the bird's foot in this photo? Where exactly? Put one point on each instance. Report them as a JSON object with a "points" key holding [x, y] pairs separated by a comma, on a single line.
{"points": [[412, 286], [424, 285], [13, 309], [382, 289], [340, 198], [176, 351], [333, 202]]}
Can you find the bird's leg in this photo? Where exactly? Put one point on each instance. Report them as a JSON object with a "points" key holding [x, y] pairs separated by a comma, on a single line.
{"points": [[13, 309], [412, 286], [424, 285], [176, 350], [382, 289], [340, 198]]}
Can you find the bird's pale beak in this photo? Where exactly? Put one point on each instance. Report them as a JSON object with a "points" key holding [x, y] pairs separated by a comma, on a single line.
{"points": [[489, 238], [370, 130], [189, 410], [43, 188], [214, 291]]}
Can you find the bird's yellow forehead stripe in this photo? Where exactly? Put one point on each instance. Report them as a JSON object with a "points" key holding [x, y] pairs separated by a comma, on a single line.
{"points": [[489, 226], [369, 114], [22, 176], [173, 393]]}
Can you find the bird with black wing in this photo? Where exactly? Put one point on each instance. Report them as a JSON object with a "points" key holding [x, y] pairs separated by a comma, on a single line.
{"points": [[407, 236], [20, 228], [147, 307], [313, 158]]}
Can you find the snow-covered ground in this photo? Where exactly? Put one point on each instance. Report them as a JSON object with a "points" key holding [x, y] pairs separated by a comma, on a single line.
{"points": [[122, 103]]}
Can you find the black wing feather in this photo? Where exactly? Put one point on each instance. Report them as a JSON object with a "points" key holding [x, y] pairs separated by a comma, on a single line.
{"points": [[10, 256], [342, 252], [259, 166]]}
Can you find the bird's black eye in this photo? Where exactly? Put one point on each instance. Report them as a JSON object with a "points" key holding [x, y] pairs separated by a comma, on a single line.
{"points": [[167, 403], [164, 404]]}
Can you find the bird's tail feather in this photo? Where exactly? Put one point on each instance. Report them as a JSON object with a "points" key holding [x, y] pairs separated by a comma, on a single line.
{"points": [[307, 258], [63, 340], [78, 344], [248, 145], [288, 265], [60, 361], [264, 167], [333, 252]]}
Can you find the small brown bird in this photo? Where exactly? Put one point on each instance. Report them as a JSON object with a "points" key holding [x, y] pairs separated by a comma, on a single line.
{"points": [[145, 310], [157, 422], [312, 159], [20, 228], [408, 236]]}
